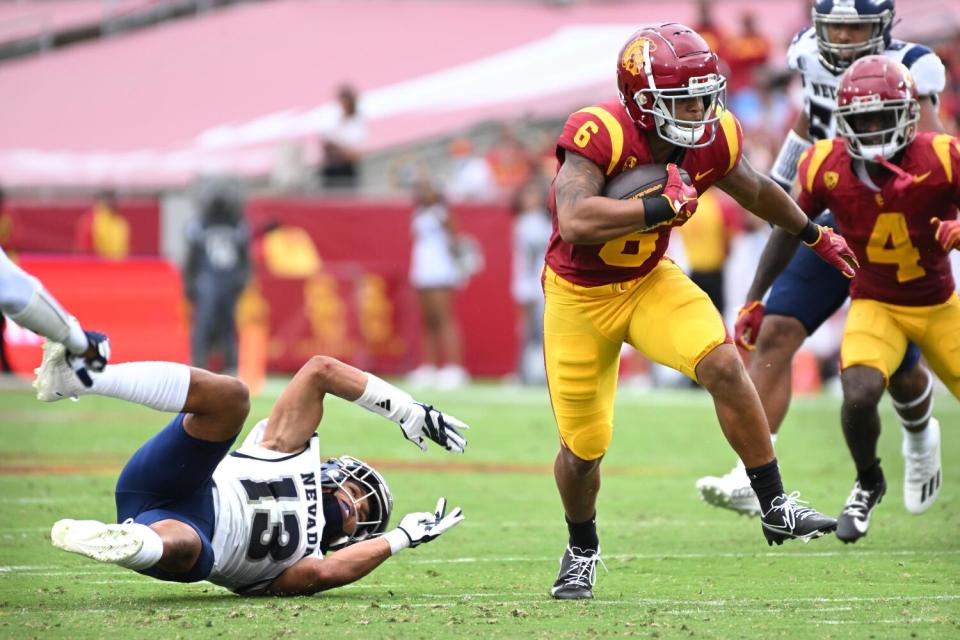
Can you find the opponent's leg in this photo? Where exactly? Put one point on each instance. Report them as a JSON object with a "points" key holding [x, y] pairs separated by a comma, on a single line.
{"points": [[863, 387], [169, 545], [30, 305], [216, 405], [164, 494]]}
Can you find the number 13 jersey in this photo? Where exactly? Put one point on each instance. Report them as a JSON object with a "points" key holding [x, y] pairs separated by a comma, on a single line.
{"points": [[269, 513]]}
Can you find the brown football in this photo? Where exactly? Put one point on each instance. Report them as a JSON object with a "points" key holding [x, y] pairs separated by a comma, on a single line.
{"points": [[645, 180]]}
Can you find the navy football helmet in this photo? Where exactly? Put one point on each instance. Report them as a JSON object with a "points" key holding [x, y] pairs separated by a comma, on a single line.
{"points": [[334, 472], [837, 56]]}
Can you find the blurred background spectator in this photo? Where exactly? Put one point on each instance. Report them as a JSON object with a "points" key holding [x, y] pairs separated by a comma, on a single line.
{"points": [[470, 175], [435, 274], [531, 233], [102, 231], [341, 143], [216, 270]]}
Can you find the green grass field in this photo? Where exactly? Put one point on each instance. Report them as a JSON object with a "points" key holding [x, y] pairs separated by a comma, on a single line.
{"points": [[677, 568]]}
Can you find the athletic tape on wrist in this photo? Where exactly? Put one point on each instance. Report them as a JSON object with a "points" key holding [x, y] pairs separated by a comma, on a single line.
{"points": [[397, 539]]}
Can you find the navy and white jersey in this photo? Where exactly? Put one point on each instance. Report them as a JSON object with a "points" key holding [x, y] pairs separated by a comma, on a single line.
{"points": [[820, 84], [269, 513]]}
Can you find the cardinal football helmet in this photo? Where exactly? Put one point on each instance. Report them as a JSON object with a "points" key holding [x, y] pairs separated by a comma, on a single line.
{"points": [[662, 65], [877, 85]]}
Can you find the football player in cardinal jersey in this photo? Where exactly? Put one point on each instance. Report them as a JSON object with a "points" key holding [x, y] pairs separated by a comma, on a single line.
{"points": [[894, 194], [260, 519], [803, 292], [606, 280]]}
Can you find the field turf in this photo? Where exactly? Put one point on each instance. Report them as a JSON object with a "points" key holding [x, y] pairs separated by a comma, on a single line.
{"points": [[677, 568]]}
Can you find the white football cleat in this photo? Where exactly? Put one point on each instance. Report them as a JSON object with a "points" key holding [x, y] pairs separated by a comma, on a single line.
{"points": [[731, 491], [55, 379], [923, 472], [115, 543]]}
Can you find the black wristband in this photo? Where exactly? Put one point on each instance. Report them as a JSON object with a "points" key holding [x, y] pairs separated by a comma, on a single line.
{"points": [[656, 210], [810, 233]]}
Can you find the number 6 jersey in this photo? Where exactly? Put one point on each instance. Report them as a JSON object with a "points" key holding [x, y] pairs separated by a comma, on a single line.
{"points": [[269, 513], [606, 135]]}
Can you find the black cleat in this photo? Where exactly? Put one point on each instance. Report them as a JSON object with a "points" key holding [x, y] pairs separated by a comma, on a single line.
{"points": [[855, 517], [789, 518], [578, 573]]}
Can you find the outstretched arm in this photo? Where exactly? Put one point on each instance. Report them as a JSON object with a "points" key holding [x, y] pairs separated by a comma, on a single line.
{"points": [[299, 409], [762, 196], [312, 575]]}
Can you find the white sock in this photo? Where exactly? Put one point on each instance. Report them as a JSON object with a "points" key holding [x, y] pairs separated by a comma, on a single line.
{"points": [[159, 385], [151, 551], [386, 400], [918, 441]]}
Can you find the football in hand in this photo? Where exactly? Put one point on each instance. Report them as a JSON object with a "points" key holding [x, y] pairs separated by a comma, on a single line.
{"points": [[646, 180]]}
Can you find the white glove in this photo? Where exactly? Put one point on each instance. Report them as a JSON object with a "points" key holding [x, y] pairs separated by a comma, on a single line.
{"points": [[416, 528], [428, 423]]}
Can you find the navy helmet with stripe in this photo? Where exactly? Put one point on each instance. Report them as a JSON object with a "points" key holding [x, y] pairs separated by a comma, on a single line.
{"points": [[877, 14]]}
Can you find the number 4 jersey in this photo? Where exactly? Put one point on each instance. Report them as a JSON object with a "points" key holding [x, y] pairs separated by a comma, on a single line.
{"points": [[605, 134], [269, 513], [889, 228]]}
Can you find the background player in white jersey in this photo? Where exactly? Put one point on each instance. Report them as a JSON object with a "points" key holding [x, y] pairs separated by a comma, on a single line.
{"points": [[259, 519], [26, 301], [804, 293]]}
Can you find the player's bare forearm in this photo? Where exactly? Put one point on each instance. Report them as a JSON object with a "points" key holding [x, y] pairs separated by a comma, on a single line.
{"points": [[583, 215], [299, 408], [776, 256], [763, 197], [312, 575]]}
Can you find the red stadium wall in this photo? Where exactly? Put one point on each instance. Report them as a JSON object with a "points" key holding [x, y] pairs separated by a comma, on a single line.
{"points": [[38, 226], [138, 302], [359, 305]]}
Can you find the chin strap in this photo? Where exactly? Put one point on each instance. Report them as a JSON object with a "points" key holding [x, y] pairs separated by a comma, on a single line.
{"points": [[902, 180]]}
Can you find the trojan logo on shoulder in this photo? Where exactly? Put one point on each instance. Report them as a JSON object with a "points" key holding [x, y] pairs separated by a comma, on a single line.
{"points": [[830, 179], [629, 163], [635, 55]]}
